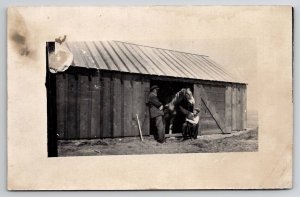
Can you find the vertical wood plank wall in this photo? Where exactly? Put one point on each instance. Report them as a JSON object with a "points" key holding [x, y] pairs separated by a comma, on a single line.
{"points": [[216, 98], [238, 107], [228, 109], [128, 109], [232, 109], [116, 106], [95, 94], [61, 88], [72, 105], [145, 116], [107, 102], [101, 104], [84, 106], [244, 107]]}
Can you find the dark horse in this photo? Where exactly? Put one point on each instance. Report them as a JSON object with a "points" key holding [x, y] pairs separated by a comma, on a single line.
{"points": [[184, 96]]}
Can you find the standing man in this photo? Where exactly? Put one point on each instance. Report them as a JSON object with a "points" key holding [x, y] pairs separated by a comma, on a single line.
{"points": [[156, 113]]}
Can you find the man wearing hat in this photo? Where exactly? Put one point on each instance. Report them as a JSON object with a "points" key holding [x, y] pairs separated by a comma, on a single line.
{"points": [[156, 113], [190, 127]]}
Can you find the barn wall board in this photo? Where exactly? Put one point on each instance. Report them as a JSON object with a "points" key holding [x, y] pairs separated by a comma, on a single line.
{"points": [[234, 108], [244, 108], [228, 109], [95, 107]]}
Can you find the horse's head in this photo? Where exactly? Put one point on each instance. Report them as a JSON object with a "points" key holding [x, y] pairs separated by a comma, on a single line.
{"points": [[189, 96], [183, 94]]}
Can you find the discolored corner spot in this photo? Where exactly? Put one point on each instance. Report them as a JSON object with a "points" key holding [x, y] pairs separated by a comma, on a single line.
{"points": [[18, 33], [19, 39]]}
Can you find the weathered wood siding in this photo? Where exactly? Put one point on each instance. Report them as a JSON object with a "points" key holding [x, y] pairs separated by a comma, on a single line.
{"points": [[210, 99], [223, 107], [244, 107], [98, 104], [216, 95], [238, 107], [228, 109]]}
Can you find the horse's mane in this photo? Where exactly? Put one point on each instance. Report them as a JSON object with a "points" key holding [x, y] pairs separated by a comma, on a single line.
{"points": [[177, 99]]}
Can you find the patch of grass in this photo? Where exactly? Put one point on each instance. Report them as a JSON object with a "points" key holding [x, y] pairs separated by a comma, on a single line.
{"points": [[246, 142], [241, 143]]}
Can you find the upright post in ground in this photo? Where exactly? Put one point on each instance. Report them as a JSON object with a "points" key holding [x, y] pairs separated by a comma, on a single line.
{"points": [[141, 135]]}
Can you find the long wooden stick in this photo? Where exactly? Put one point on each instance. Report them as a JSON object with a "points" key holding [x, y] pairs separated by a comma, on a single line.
{"points": [[141, 135]]}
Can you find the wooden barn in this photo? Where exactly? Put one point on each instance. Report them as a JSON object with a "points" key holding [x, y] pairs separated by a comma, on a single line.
{"points": [[108, 83]]}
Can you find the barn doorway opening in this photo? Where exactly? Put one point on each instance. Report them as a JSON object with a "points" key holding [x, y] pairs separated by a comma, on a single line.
{"points": [[167, 91]]}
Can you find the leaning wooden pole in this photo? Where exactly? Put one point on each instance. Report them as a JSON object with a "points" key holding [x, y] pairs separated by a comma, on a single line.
{"points": [[140, 130]]}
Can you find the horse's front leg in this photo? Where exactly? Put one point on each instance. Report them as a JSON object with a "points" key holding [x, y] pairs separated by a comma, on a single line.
{"points": [[173, 114]]}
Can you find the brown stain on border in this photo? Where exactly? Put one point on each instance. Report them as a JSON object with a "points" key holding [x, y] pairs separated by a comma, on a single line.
{"points": [[18, 34]]}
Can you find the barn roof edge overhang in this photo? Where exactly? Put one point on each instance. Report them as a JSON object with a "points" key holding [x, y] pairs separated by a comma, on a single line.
{"points": [[147, 60], [157, 77]]}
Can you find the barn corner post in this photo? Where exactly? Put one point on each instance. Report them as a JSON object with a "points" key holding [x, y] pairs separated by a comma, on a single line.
{"points": [[51, 105], [244, 108]]}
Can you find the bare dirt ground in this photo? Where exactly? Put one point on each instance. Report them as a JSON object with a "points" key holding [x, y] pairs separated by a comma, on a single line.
{"points": [[243, 141]]}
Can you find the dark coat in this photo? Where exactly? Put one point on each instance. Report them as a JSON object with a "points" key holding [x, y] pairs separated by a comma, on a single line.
{"points": [[154, 105], [187, 113]]}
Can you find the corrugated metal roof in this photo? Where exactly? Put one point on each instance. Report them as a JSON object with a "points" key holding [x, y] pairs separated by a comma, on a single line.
{"points": [[133, 58]]}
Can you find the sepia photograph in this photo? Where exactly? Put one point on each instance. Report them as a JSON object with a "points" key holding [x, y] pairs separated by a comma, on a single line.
{"points": [[140, 97], [119, 98]]}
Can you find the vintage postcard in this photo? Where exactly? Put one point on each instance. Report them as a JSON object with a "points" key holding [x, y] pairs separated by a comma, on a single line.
{"points": [[159, 97]]}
